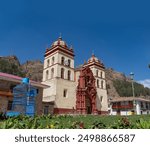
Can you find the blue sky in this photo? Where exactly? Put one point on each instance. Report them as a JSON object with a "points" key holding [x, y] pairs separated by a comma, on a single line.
{"points": [[117, 30]]}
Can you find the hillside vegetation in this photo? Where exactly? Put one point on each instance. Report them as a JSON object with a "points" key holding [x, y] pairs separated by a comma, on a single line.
{"points": [[11, 65], [124, 89]]}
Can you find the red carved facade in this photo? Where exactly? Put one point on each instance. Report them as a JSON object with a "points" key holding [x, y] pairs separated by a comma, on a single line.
{"points": [[86, 93]]}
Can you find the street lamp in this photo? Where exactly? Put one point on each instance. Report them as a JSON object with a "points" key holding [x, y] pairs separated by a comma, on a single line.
{"points": [[134, 102], [132, 78]]}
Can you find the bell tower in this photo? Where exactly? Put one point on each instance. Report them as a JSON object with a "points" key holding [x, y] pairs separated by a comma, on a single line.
{"points": [[59, 61], [58, 73], [98, 70]]}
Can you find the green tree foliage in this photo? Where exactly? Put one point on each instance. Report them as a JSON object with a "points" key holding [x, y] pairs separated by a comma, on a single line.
{"points": [[124, 89], [11, 68]]}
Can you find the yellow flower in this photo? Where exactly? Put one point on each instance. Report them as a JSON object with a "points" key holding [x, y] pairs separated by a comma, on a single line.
{"points": [[52, 126]]}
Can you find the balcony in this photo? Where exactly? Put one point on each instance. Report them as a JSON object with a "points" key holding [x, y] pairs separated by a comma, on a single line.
{"points": [[129, 106]]}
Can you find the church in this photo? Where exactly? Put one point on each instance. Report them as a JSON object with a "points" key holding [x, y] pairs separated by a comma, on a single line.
{"points": [[73, 90]]}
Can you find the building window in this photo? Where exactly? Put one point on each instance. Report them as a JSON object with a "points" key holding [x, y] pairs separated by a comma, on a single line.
{"points": [[97, 73], [65, 93], [53, 60], [62, 73], [102, 84], [47, 74], [97, 83], [101, 98], [101, 74], [69, 74], [48, 63], [52, 72], [69, 62], [9, 107], [46, 110], [62, 60], [146, 105], [142, 105]]}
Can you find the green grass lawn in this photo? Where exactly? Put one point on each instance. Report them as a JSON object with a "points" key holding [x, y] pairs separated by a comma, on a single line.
{"points": [[76, 122]]}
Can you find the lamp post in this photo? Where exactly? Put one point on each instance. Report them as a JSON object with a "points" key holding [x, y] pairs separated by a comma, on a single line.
{"points": [[132, 78], [133, 94]]}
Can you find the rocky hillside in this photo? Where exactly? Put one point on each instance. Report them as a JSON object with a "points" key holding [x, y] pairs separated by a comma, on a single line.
{"points": [[31, 69], [118, 85], [111, 76], [11, 65]]}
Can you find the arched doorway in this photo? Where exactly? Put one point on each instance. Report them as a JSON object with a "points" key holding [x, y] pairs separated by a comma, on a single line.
{"points": [[88, 105], [86, 92]]}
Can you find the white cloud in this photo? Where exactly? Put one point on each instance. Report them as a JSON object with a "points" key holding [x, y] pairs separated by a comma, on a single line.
{"points": [[145, 82]]}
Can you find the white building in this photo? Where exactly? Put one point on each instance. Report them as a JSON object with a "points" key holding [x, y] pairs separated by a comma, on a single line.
{"points": [[63, 78], [129, 105]]}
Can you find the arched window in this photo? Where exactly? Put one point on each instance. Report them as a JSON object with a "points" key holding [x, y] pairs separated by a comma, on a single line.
{"points": [[53, 60], [69, 75], [101, 74], [97, 73], [62, 60], [69, 62], [62, 73], [97, 83], [47, 74], [52, 72], [48, 63], [102, 84]]}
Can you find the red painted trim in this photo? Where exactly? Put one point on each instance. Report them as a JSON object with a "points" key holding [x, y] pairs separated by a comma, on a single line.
{"points": [[129, 106], [60, 52], [59, 48], [73, 111], [96, 64], [63, 111], [103, 112]]}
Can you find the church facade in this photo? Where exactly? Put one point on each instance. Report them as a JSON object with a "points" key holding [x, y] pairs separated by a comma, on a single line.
{"points": [[73, 90]]}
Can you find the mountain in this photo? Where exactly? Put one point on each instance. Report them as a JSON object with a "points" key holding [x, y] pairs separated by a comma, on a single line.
{"points": [[31, 69], [118, 85], [11, 65]]}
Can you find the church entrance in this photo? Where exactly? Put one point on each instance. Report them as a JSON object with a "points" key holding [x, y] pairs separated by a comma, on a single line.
{"points": [[88, 105], [86, 92]]}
